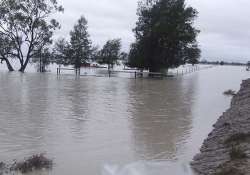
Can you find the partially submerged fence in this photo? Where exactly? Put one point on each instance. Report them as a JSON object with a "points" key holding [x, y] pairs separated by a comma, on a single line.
{"points": [[133, 73], [76, 70]]}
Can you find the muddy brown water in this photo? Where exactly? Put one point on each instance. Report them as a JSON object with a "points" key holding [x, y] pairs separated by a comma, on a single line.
{"points": [[112, 126]]}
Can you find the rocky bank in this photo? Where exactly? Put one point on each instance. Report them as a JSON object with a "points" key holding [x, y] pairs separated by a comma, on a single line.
{"points": [[226, 151]]}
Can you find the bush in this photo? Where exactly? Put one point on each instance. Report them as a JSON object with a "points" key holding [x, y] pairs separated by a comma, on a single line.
{"points": [[36, 162], [230, 93]]}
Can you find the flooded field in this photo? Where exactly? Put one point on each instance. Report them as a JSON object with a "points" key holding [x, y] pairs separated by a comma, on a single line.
{"points": [[112, 126]]}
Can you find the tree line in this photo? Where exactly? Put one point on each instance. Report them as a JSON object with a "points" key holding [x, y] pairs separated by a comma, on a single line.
{"points": [[78, 51], [165, 37]]}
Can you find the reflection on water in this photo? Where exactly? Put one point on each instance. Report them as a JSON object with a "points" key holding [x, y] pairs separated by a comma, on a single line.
{"points": [[161, 118], [111, 125]]}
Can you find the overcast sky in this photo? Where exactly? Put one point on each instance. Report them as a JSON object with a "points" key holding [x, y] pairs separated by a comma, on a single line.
{"points": [[224, 24]]}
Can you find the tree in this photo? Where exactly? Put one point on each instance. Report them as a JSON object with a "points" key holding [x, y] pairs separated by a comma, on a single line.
{"points": [[6, 48], [94, 53], [164, 35], [80, 43], [110, 53], [25, 25], [43, 58], [193, 54], [62, 52], [124, 58], [136, 58]]}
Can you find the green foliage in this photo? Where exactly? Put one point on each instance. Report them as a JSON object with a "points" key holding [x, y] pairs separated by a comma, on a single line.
{"points": [[136, 57], [192, 55], [78, 51], [124, 58], [94, 53], [36, 162], [6, 50], [27, 25], [110, 53], [165, 36], [61, 52], [80, 44]]}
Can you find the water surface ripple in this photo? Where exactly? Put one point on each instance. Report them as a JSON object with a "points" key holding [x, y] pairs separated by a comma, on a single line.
{"points": [[94, 126]]}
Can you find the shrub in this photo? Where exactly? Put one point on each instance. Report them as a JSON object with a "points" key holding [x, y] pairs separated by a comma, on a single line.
{"points": [[230, 93], [36, 162]]}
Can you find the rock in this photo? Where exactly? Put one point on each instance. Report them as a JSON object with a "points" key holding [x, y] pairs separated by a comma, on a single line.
{"points": [[232, 129]]}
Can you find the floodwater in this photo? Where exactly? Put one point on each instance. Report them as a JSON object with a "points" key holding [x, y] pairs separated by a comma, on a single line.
{"points": [[112, 126]]}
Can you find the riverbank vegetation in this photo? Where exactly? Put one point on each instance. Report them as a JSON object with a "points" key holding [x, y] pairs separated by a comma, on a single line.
{"points": [[164, 32], [26, 29]]}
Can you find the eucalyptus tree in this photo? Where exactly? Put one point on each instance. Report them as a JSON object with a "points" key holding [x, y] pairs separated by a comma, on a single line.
{"points": [[26, 27], [6, 49], [165, 35]]}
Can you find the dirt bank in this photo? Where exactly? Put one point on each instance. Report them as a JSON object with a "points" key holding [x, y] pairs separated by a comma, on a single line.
{"points": [[226, 151]]}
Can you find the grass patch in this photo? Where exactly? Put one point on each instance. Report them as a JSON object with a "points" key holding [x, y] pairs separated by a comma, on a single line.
{"points": [[239, 137]]}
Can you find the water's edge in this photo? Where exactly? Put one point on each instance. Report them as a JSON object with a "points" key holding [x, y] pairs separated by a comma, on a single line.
{"points": [[227, 148]]}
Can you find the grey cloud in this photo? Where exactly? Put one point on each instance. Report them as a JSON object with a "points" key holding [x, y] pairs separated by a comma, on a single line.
{"points": [[224, 28]]}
